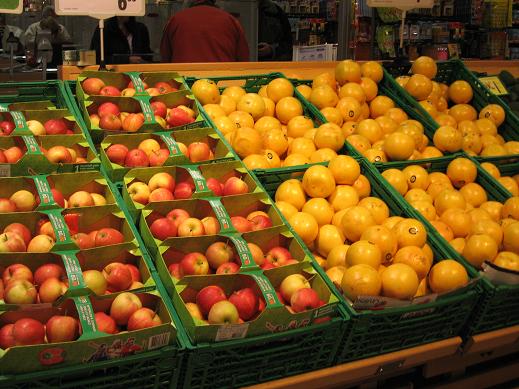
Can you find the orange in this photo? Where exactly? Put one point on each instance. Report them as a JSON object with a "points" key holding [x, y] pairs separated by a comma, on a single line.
{"points": [[511, 208], [374, 155], [365, 253], [362, 186], [337, 256], [488, 140], [397, 114], [460, 92], [242, 119], [353, 89], [350, 108], [493, 150], [399, 146], [224, 124], [443, 229], [298, 125], [507, 260], [422, 288], [380, 105], [458, 220], [252, 103], [372, 70], [296, 159], [472, 143], [387, 125], [256, 161], [494, 112], [302, 146], [442, 104], [292, 192], [480, 248], [286, 209], [511, 237], [478, 214], [397, 179], [493, 208], [321, 261], [369, 87], [361, 280], [348, 128], [377, 207], [418, 195], [228, 104], [447, 138], [246, 141], [510, 185], [512, 147], [369, 129], [214, 111], [234, 92], [384, 239], [305, 226], [415, 258], [436, 188], [359, 142], [486, 127], [426, 208], [322, 155], [429, 108], [428, 252], [431, 152], [318, 181], [461, 171], [365, 112], [347, 71], [392, 221], [355, 221], [467, 126], [288, 108], [275, 140], [324, 96], [449, 198], [263, 91], [206, 91], [447, 275], [444, 119], [329, 135], [325, 79], [345, 169], [333, 115], [270, 107], [305, 90], [458, 244], [424, 65], [267, 123], [410, 232], [335, 274], [399, 281], [462, 112], [402, 80], [344, 196], [378, 145], [327, 238], [474, 194], [320, 209], [336, 219], [417, 177], [279, 88], [490, 228], [419, 86]]}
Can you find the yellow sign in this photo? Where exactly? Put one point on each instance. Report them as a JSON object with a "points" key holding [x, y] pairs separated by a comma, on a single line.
{"points": [[494, 84]]}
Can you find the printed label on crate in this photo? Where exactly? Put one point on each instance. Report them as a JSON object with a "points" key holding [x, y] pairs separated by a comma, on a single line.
{"points": [[137, 83], [86, 167], [85, 314], [158, 341], [19, 120], [171, 144], [221, 214], [59, 226], [377, 302], [494, 84], [147, 111], [499, 276], [44, 190], [232, 331], [5, 170], [198, 178], [31, 144], [73, 270], [324, 310], [268, 291], [420, 313], [4, 108], [243, 250]]}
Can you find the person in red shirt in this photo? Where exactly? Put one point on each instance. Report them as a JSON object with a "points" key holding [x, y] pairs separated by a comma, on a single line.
{"points": [[203, 33]]}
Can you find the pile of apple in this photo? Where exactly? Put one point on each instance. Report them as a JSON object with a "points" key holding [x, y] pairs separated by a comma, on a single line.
{"points": [[62, 154], [96, 86], [222, 258], [12, 154], [178, 223], [462, 127], [150, 152], [163, 187], [212, 306], [50, 127], [459, 209]]}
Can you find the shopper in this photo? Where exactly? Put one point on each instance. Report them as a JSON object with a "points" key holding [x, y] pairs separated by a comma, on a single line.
{"points": [[58, 32], [5, 31], [126, 41], [203, 33], [274, 33]]}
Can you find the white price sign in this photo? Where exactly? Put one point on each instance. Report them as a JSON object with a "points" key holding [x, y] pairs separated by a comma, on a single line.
{"points": [[11, 6], [401, 4], [101, 8]]}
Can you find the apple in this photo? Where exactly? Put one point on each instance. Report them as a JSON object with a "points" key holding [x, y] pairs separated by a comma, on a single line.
{"points": [[6, 127], [291, 284], [199, 151], [23, 200], [61, 329], [260, 222], [194, 264], [57, 196], [278, 256], [208, 296], [192, 308], [98, 199], [46, 271], [36, 127], [223, 312], [178, 117], [19, 229], [92, 85], [40, 244], [6, 337], [184, 190], [183, 149], [110, 122], [153, 91], [143, 318], [257, 254], [7, 206], [59, 154], [47, 229], [235, 186], [159, 109], [163, 87], [162, 180], [83, 241], [211, 225], [95, 281], [139, 192], [130, 85], [28, 331], [175, 270], [304, 299], [51, 289], [178, 215], [56, 127], [134, 271], [133, 122], [80, 198], [110, 90], [128, 92], [161, 194], [105, 323], [136, 158], [241, 224], [159, 157], [17, 271], [163, 228], [94, 119], [117, 153], [149, 146], [215, 186], [108, 236], [3, 158], [191, 227], [13, 154], [219, 253], [20, 292], [123, 306], [108, 108], [228, 268], [118, 276], [11, 242], [246, 302]]}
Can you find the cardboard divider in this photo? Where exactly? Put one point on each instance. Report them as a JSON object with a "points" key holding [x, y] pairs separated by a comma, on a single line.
{"points": [[44, 115]]}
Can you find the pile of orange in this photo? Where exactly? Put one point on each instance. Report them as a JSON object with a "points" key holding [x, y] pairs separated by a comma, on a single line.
{"points": [[461, 126], [362, 248], [458, 207]]}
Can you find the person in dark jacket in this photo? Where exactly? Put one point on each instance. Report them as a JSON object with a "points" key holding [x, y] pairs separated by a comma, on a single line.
{"points": [[274, 33], [126, 41]]}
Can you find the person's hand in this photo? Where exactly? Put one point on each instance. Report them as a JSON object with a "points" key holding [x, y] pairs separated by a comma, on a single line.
{"points": [[264, 50], [135, 59]]}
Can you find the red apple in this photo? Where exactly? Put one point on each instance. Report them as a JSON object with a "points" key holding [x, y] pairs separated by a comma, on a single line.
{"points": [[118, 276], [62, 329], [241, 224], [49, 270], [143, 318], [246, 302], [163, 87], [144, 84], [159, 109], [108, 236], [105, 323], [223, 312], [228, 268], [291, 284], [163, 228], [80, 199], [215, 186], [83, 241], [162, 180], [20, 292], [133, 122], [149, 146], [117, 153], [219, 253], [257, 254], [178, 215], [260, 222], [20, 230], [152, 91], [235, 186], [56, 127], [199, 151], [11, 242], [40, 244], [278, 256], [139, 192], [13, 154], [51, 289], [211, 225], [58, 198], [208, 296], [28, 331], [175, 270], [110, 122], [134, 270], [161, 194], [159, 157], [191, 227], [95, 281], [17, 271], [6, 337], [108, 108], [304, 299], [136, 158], [6, 127], [178, 117], [7, 206], [123, 306], [184, 190], [92, 85], [110, 90], [194, 264], [47, 229]]}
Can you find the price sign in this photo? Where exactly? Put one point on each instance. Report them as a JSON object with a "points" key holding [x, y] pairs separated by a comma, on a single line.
{"points": [[494, 84], [401, 4], [11, 6], [101, 9]]}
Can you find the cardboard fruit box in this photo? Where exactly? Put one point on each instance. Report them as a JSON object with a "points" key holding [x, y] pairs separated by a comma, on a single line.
{"points": [[92, 345], [20, 119], [274, 318]]}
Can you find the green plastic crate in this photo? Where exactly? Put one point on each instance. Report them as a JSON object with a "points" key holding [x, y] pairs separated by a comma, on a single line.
{"points": [[507, 169], [378, 332], [498, 306]]}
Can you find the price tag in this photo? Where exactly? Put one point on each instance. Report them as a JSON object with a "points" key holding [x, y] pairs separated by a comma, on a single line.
{"points": [[401, 4], [231, 331], [101, 8], [11, 6], [494, 84]]}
